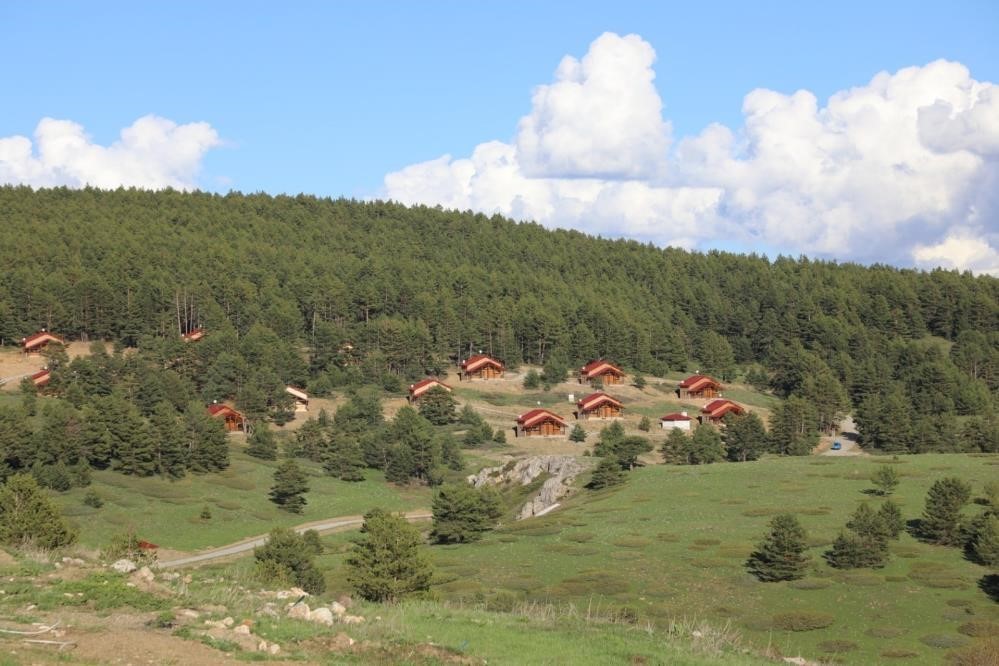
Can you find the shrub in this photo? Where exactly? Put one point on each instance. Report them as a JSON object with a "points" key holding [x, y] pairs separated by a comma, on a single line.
{"points": [[385, 563], [943, 641], [607, 474], [982, 653], [206, 513], [802, 621], [837, 646], [289, 555], [126, 545], [463, 513], [29, 516], [979, 629], [886, 480], [92, 499], [532, 379]]}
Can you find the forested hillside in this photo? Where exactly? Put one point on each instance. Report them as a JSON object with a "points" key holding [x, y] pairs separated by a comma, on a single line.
{"points": [[380, 293]]}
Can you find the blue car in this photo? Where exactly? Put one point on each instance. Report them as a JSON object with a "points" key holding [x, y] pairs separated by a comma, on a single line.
{"points": [[837, 446]]}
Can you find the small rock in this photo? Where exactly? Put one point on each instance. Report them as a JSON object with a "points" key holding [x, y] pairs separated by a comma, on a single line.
{"points": [[338, 608], [342, 641], [321, 616], [228, 622], [268, 609], [189, 613], [273, 648], [145, 574], [241, 629], [299, 611], [170, 575], [58, 565], [188, 579], [352, 619], [129, 584], [293, 593], [124, 566]]}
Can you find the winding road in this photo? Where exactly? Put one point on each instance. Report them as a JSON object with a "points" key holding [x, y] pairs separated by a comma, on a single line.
{"points": [[247, 545]]}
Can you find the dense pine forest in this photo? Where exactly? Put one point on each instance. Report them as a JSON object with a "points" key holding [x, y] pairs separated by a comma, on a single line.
{"points": [[328, 293]]}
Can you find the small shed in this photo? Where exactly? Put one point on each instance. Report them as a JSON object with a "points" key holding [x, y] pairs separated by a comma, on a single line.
{"points": [[420, 388], [481, 366], [234, 420], [598, 405], [716, 410], [676, 421], [300, 396], [540, 423], [193, 335], [699, 386], [606, 372], [34, 344]]}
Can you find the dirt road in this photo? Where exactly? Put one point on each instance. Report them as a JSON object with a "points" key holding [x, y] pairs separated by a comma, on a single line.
{"points": [[247, 545], [847, 438]]}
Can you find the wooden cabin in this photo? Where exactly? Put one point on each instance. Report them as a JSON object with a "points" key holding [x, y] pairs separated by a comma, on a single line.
{"points": [[699, 386], [34, 344], [420, 388], [606, 372], [540, 423], [300, 396], [481, 366], [42, 377], [193, 335], [715, 411], [234, 420], [598, 405], [676, 420]]}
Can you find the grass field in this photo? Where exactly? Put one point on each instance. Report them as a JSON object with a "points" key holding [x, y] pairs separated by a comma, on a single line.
{"points": [[167, 512], [672, 543]]}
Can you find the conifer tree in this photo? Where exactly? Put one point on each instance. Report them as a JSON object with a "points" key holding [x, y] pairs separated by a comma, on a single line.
{"points": [[29, 516], [706, 446], [645, 424], [675, 449], [864, 543], [168, 436], [290, 486], [577, 434], [745, 437], [781, 554], [205, 440], [463, 513], [344, 459], [385, 563], [137, 454], [941, 520], [438, 406], [891, 516], [886, 479], [985, 545], [608, 473], [286, 554], [261, 444]]}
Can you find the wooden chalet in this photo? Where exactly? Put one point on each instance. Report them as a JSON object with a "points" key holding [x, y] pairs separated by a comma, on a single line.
{"points": [[420, 388], [41, 378], [540, 423], [481, 366], [234, 420], [676, 420], [606, 372], [34, 344], [699, 386], [598, 405], [193, 335], [300, 396], [715, 411]]}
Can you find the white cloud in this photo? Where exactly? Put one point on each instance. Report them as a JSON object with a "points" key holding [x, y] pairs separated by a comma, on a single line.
{"points": [[151, 153], [900, 169]]}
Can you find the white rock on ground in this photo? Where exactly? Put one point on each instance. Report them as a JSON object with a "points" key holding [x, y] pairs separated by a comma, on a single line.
{"points": [[299, 611], [124, 566], [563, 469], [338, 608], [321, 616]]}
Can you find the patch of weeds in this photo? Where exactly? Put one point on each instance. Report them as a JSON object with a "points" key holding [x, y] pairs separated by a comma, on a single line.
{"points": [[165, 620], [896, 579], [580, 537], [810, 584], [632, 542], [960, 603], [694, 546], [837, 646], [813, 512], [899, 654], [581, 551], [957, 615], [524, 583], [735, 552], [507, 538], [708, 542], [760, 512], [99, 591], [943, 641], [595, 582], [725, 612], [905, 551], [886, 632], [625, 555], [802, 621], [979, 629], [861, 579], [668, 537], [733, 502], [708, 563]]}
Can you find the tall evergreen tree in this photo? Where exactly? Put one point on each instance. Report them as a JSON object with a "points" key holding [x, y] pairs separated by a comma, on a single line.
{"points": [[941, 521], [290, 486], [262, 444], [29, 516], [385, 563], [168, 436], [745, 437], [781, 554], [438, 406], [463, 513]]}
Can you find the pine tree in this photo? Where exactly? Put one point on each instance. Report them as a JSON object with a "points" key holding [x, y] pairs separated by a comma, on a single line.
{"points": [[645, 424], [706, 446], [608, 473], [941, 520], [745, 437], [29, 516], [886, 479], [891, 516], [781, 554], [463, 513], [985, 544], [345, 460], [577, 434], [290, 484], [532, 379], [385, 563], [438, 406], [168, 437], [675, 449], [291, 554], [205, 440], [261, 444], [137, 454], [864, 543]]}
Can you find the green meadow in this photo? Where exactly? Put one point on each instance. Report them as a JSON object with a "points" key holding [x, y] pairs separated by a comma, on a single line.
{"points": [[167, 512]]}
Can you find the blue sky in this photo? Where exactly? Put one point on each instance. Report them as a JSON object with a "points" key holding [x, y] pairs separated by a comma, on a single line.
{"points": [[329, 97]]}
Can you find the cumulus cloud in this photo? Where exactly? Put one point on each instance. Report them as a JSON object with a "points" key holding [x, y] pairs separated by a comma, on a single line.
{"points": [[151, 153], [900, 169]]}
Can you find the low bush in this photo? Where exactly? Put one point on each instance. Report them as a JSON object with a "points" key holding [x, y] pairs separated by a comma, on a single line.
{"points": [[979, 629], [943, 641], [837, 646], [802, 621]]}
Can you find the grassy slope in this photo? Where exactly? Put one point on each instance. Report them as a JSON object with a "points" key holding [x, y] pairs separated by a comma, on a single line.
{"points": [[167, 512], [672, 543]]}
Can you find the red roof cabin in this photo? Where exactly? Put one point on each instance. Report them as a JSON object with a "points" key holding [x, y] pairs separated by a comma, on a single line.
{"points": [[540, 423], [598, 405], [480, 366], [699, 386], [41, 378], [716, 410], [193, 335], [300, 396], [234, 420], [34, 344], [420, 388], [608, 373], [676, 420]]}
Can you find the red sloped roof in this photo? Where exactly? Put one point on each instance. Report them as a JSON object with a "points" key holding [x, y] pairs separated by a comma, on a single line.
{"points": [[536, 416], [594, 400], [194, 335], [40, 337], [598, 367], [720, 407], [216, 410], [695, 382], [41, 377], [473, 363], [425, 385], [675, 416]]}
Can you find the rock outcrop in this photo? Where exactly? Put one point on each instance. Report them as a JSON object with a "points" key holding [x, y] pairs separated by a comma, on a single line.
{"points": [[561, 470]]}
